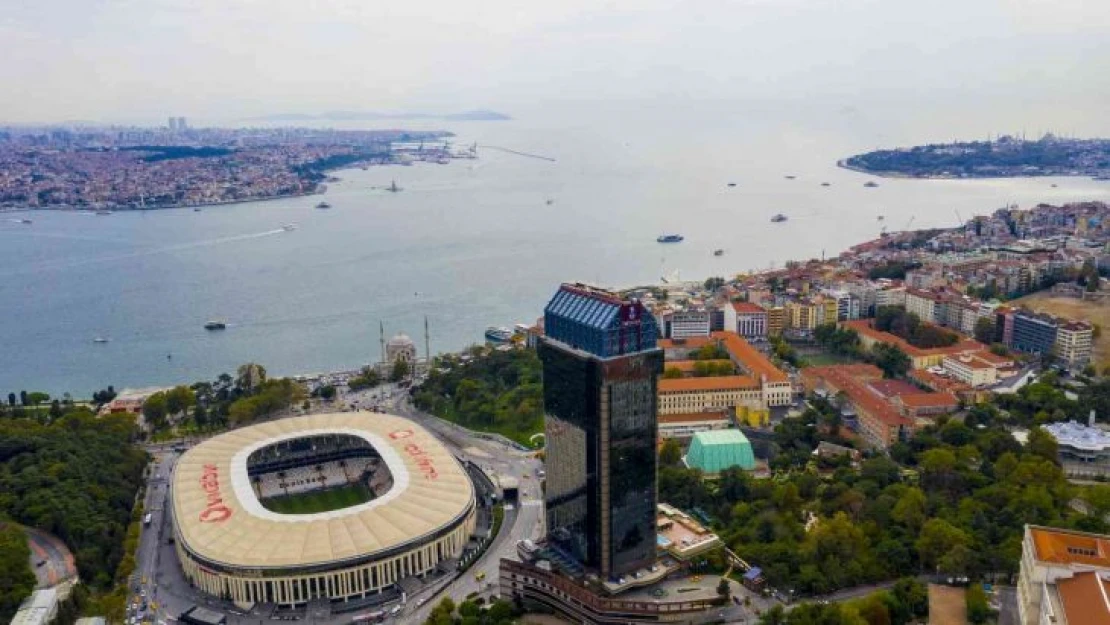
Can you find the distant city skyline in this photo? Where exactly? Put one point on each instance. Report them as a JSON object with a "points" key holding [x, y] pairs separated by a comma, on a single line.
{"points": [[214, 62]]}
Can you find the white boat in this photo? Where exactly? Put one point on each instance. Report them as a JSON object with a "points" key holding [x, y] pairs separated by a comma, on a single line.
{"points": [[289, 227], [101, 339]]}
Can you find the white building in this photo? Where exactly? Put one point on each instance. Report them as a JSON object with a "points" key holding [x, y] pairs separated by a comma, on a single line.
{"points": [[689, 323], [1073, 343], [1065, 577], [970, 369], [923, 304], [1083, 450], [746, 319]]}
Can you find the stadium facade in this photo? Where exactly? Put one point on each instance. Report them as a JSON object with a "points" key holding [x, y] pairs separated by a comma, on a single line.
{"points": [[420, 510]]}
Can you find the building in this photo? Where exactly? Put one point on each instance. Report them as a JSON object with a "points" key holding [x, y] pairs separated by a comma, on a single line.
{"points": [[1065, 577], [717, 393], [746, 319], [400, 348], [776, 320], [682, 537], [713, 452], [600, 368], [880, 422], [685, 425], [38, 609], [1083, 450], [922, 358], [1073, 343], [971, 369], [689, 323], [232, 545], [1033, 333], [923, 304]]}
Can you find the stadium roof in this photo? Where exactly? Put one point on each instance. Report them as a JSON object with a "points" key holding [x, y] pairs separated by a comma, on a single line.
{"points": [[220, 519]]}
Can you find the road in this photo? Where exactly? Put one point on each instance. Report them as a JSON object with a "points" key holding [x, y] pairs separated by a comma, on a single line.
{"points": [[158, 573]]}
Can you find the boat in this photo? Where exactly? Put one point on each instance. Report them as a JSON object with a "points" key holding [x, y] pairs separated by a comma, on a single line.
{"points": [[718, 252], [826, 184], [289, 227], [870, 184], [550, 202], [215, 325], [103, 212], [196, 210], [732, 184], [669, 238], [498, 335], [25, 221], [393, 188], [779, 218], [323, 205], [880, 218], [790, 177], [100, 339]]}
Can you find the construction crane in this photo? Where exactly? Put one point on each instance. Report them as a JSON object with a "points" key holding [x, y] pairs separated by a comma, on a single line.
{"points": [[909, 223], [961, 222]]}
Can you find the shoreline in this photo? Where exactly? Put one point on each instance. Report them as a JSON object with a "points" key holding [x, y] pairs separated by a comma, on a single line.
{"points": [[77, 209], [895, 175]]}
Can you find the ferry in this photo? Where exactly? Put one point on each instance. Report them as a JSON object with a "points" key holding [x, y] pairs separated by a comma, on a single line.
{"points": [[498, 335], [718, 252], [100, 339], [215, 325], [778, 218], [669, 238], [826, 184], [732, 184], [870, 184], [790, 177], [323, 205]]}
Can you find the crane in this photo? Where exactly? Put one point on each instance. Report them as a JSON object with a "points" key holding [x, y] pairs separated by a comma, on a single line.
{"points": [[961, 222], [910, 222]]}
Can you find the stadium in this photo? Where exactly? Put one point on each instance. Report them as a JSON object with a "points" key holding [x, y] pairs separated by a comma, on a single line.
{"points": [[330, 506]]}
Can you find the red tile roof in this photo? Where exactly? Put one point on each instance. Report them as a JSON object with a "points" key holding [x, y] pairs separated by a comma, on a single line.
{"points": [[1085, 599], [1069, 547], [720, 383], [748, 307], [749, 357]]}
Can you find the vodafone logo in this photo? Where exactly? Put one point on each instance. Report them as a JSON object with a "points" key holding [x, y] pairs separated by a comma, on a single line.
{"points": [[214, 510], [398, 434]]}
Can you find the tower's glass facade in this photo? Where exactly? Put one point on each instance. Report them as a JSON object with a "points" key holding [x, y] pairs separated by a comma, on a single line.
{"points": [[601, 429]]}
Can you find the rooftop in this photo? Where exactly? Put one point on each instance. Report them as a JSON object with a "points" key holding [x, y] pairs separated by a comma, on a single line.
{"points": [[1085, 599], [1079, 436], [864, 327], [751, 358], [1062, 546], [748, 307], [717, 450], [692, 417], [718, 383]]}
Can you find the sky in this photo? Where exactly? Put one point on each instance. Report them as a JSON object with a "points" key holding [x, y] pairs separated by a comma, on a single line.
{"points": [[138, 61]]}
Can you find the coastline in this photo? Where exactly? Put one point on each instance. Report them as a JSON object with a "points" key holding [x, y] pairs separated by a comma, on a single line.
{"points": [[894, 175], [82, 209]]}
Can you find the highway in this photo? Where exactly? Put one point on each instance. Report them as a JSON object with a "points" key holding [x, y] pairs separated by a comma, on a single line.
{"points": [[158, 573]]}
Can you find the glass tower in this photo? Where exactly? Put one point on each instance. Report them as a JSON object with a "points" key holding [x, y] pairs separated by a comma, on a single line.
{"points": [[600, 367]]}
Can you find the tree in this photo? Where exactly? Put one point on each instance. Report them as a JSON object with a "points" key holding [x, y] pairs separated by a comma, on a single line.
{"points": [[16, 579], [400, 370], [937, 539], [672, 373], [55, 409], [250, 376], [670, 454], [724, 589], [327, 392], [1042, 444], [714, 283], [984, 330], [179, 398], [154, 411], [978, 611], [893, 361], [37, 397]]}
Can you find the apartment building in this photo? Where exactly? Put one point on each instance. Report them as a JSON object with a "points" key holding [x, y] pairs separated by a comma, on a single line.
{"points": [[746, 319]]}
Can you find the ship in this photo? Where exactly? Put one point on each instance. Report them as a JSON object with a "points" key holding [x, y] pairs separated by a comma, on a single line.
{"points": [[323, 205], [718, 252], [732, 184], [25, 221], [289, 227], [196, 210], [779, 218], [870, 184], [826, 184], [669, 238], [215, 325], [495, 334], [393, 188], [103, 212], [100, 339], [790, 177]]}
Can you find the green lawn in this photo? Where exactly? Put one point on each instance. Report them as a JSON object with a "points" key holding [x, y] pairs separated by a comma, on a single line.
{"points": [[320, 500]]}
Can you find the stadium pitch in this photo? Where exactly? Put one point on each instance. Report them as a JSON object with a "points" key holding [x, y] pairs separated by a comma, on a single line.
{"points": [[320, 500]]}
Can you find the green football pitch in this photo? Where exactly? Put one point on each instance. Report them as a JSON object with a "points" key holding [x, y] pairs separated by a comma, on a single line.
{"points": [[320, 500]]}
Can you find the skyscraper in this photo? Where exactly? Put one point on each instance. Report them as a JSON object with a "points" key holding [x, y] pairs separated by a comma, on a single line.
{"points": [[600, 368]]}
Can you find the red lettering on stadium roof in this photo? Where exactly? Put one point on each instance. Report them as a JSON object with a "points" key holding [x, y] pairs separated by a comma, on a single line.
{"points": [[423, 462], [214, 510], [400, 434]]}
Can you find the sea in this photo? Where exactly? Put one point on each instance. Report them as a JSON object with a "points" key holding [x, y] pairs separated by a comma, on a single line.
{"points": [[466, 245]]}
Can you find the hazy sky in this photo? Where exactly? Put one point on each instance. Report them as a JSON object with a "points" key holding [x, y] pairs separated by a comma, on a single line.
{"points": [[140, 60]]}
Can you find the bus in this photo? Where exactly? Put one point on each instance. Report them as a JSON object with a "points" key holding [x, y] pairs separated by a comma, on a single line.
{"points": [[147, 519], [369, 617]]}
